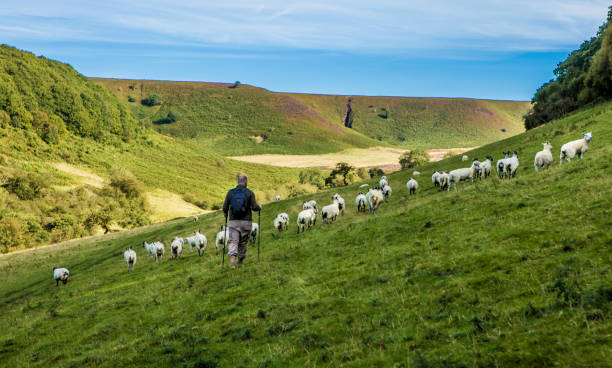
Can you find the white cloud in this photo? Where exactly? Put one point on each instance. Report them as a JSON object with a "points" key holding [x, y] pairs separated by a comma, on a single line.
{"points": [[356, 26]]}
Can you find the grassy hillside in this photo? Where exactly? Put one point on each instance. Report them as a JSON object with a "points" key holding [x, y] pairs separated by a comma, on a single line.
{"points": [[499, 273], [227, 119]]}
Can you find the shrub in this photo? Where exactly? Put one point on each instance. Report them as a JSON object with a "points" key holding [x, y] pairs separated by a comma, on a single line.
{"points": [[340, 175], [236, 84], [127, 183], [4, 119], [414, 158], [312, 176], [362, 173], [375, 172], [131, 98], [11, 234], [152, 100], [171, 117], [26, 186]]}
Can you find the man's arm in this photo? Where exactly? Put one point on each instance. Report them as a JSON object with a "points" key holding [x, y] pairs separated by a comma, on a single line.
{"points": [[254, 205], [226, 203]]}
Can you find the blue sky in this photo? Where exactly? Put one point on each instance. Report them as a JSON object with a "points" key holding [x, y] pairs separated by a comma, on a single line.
{"points": [[443, 48]]}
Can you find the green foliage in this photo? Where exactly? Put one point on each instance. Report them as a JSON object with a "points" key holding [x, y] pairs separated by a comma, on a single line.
{"points": [[4, 119], [583, 78], [26, 186], [362, 173], [154, 99], [340, 176], [11, 234], [414, 158], [126, 182], [236, 84], [375, 172], [131, 98], [170, 117], [312, 176]]}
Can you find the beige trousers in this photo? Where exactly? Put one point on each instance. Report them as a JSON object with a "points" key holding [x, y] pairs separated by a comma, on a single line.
{"points": [[239, 232]]}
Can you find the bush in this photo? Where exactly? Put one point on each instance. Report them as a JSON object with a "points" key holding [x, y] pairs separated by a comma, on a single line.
{"points": [[171, 117], [313, 177], [26, 187], [127, 183], [414, 158], [375, 172], [131, 98], [236, 84], [11, 234], [362, 173], [341, 175], [152, 100], [4, 119]]}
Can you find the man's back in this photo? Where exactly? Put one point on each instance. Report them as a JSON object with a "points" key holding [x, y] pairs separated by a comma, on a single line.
{"points": [[239, 201]]}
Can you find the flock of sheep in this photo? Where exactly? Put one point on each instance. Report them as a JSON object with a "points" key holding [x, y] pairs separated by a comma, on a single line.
{"points": [[506, 168]]}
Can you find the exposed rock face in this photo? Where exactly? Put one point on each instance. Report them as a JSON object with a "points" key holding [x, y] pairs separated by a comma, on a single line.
{"points": [[348, 114]]}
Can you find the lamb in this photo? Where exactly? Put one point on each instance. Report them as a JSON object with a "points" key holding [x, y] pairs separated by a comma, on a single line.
{"points": [[331, 211], [501, 165], [570, 149], [277, 197], [485, 167], [544, 158], [464, 158], [412, 186], [176, 247], [360, 202], [444, 180], [512, 165], [198, 241], [306, 218], [374, 197], [60, 274], [435, 178], [254, 232], [463, 174], [221, 239], [341, 203], [386, 190], [130, 258]]}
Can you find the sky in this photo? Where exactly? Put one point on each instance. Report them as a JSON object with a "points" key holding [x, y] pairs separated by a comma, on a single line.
{"points": [[492, 49]]}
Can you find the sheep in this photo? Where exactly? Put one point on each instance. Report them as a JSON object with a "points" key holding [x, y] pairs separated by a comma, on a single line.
{"points": [[130, 258], [435, 178], [330, 212], [306, 218], [512, 165], [386, 190], [383, 182], [198, 241], [412, 186], [176, 247], [416, 173], [374, 197], [279, 223], [60, 274], [254, 232], [463, 174], [485, 167], [544, 158], [195, 218], [360, 202], [570, 149], [311, 204], [464, 158], [501, 165], [444, 180], [384, 177], [221, 239], [159, 251], [285, 217], [151, 248], [277, 197], [341, 203]]}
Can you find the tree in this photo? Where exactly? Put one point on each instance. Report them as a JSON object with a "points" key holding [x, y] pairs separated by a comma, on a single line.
{"points": [[152, 100], [375, 172], [414, 158], [340, 175]]}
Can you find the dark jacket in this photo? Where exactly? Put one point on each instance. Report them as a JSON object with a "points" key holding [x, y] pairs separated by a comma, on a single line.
{"points": [[250, 199]]}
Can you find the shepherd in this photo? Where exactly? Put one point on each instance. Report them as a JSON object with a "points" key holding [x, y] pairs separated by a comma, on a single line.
{"points": [[238, 204]]}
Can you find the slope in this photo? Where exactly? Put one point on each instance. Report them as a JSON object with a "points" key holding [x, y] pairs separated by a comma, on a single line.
{"points": [[499, 273], [229, 120]]}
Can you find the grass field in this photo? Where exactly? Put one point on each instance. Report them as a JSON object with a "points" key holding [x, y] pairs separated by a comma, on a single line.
{"points": [[496, 274]]}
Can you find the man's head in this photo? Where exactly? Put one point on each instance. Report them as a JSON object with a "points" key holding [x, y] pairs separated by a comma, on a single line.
{"points": [[242, 179]]}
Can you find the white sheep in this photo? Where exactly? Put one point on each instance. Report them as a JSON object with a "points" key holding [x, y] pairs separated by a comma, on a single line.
{"points": [[151, 248], [176, 247], [570, 149], [221, 239], [374, 197], [311, 204], [341, 203], [159, 251], [512, 165], [195, 218], [464, 158], [130, 258], [485, 167], [543, 159], [412, 186], [330, 212], [277, 197], [463, 174], [254, 232], [384, 177], [285, 217], [60, 274], [360, 202], [279, 223], [501, 165], [198, 241], [306, 218], [386, 190], [416, 173], [435, 178], [383, 182], [444, 180]]}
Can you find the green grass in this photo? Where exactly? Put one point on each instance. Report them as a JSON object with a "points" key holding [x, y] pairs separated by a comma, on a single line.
{"points": [[499, 273]]}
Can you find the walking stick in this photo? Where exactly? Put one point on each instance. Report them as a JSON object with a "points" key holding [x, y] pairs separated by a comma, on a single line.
{"points": [[224, 241], [259, 233]]}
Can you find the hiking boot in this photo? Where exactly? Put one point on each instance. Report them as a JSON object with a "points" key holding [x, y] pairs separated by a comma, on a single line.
{"points": [[233, 262], [240, 261]]}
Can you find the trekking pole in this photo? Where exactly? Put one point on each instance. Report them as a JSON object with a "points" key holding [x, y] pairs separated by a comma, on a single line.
{"points": [[224, 241], [259, 233]]}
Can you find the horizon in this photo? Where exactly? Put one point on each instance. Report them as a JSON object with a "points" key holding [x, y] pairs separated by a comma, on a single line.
{"points": [[497, 52]]}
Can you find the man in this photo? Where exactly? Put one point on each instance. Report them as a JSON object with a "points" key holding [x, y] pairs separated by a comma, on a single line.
{"points": [[238, 203]]}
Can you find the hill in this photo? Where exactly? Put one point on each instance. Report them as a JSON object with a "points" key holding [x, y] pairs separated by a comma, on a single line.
{"points": [[500, 273], [247, 120]]}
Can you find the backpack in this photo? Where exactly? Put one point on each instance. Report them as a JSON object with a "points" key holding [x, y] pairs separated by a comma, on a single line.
{"points": [[239, 205]]}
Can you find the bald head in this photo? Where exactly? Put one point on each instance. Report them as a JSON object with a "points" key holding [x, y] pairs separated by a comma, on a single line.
{"points": [[242, 179]]}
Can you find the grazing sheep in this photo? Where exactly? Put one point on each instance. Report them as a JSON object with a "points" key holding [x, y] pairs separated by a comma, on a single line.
{"points": [[512, 165], [360, 202], [221, 239], [386, 190], [485, 168], [130, 258], [435, 179], [384, 177], [195, 218], [374, 197], [330, 212], [311, 204], [281, 222], [544, 158], [444, 180], [570, 149], [277, 197], [501, 165], [60, 274], [412, 186], [176, 247], [464, 158], [198, 241], [159, 251], [306, 218], [463, 174], [286, 218], [383, 182], [341, 203], [254, 232], [151, 248], [416, 173]]}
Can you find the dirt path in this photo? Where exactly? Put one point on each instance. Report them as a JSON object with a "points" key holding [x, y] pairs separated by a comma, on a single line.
{"points": [[383, 157]]}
